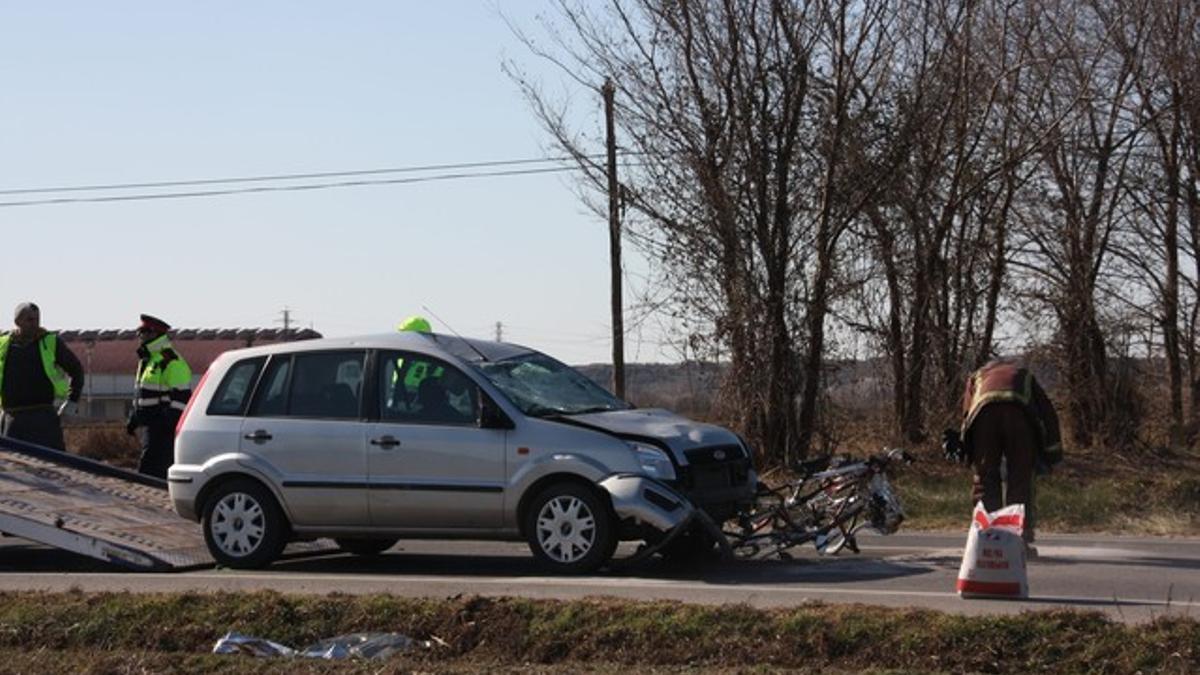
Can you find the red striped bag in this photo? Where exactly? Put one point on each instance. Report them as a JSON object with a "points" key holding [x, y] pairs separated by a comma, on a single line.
{"points": [[993, 564]]}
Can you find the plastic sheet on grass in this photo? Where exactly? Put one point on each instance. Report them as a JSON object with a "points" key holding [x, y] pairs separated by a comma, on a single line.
{"points": [[349, 646]]}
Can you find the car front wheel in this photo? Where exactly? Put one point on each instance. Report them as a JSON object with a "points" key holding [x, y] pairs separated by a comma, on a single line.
{"points": [[569, 529], [243, 525]]}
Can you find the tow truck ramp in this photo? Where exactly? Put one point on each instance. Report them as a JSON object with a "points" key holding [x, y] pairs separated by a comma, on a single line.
{"points": [[101, 511]]}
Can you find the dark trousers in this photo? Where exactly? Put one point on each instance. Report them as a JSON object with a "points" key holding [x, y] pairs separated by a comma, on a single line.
{"points": [[39, 426], [1002, 431], [157, 436]]}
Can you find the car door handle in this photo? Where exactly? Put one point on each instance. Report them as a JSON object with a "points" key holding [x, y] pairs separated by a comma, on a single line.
{"points": [[386, 442], [259, 436]]}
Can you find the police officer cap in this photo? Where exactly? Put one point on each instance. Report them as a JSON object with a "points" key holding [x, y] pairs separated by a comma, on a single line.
{"points": [[24, 307], [154, 324]]}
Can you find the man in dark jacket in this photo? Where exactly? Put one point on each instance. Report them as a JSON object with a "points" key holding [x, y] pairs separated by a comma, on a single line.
{"points": [[35, 369], [1007, 418]]}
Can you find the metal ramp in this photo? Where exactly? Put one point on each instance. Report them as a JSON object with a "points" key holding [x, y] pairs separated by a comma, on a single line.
{"points": [[80, 505]]}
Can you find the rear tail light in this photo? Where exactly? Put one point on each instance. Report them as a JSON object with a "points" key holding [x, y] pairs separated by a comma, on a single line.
{"points": [[188, 408]]}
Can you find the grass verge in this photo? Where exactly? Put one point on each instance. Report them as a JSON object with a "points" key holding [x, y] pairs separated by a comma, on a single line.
{"points": [[1106, 505], [76, 632]]}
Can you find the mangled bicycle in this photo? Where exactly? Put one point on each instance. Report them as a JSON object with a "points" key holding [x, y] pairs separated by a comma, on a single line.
{"points": [[828, 504]]}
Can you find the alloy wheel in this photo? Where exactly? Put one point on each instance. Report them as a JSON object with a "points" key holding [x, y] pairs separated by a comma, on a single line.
{"points": [[238, 524], [566, 529]]}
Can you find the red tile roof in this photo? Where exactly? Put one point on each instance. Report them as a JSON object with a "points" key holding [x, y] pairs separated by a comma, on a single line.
{"points": [[115, 352]]}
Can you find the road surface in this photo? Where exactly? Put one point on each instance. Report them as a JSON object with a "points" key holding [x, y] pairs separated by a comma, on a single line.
{"points": [[1130, 579]]}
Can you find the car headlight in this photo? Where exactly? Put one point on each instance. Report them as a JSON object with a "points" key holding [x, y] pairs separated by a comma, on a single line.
{"points": [[654, 462]]}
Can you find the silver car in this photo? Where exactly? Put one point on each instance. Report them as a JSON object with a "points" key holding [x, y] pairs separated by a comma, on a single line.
{"points": [[414, 435]]}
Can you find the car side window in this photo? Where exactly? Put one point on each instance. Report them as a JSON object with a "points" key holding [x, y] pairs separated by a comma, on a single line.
{"points": [[271, 399], [418, 389], [327, 385], [233, 393]]}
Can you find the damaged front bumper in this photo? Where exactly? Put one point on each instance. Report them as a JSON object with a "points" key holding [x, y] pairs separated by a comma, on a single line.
{"points": [[648, 501], [645, 500]]}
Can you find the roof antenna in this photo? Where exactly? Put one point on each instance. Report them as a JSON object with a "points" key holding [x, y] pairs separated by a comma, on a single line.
{"points": [[456, 334]]}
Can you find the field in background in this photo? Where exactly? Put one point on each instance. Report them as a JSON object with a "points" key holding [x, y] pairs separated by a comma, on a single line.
{"points": [[1147, 489]]}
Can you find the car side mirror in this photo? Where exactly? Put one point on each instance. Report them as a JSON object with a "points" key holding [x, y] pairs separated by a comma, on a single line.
{"points": [[491, 416]]}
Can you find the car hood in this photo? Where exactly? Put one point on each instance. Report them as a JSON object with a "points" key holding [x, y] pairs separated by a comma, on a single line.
{"points": [[677, 432]]}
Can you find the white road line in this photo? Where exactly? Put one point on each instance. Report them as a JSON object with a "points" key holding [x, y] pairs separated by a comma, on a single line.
{"points": [[599, 584]]}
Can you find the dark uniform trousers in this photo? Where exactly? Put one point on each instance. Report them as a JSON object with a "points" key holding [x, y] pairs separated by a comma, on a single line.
{"points": [[1003, 431], [38, 425], [157, 436]]}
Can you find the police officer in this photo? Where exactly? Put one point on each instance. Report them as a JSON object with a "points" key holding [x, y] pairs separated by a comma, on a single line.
{"points": [[418, 370], [163, 388], [34, 370], [1007, 418]]}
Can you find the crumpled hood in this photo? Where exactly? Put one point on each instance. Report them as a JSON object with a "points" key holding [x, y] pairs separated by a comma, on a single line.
{"points": [[677, 432]]}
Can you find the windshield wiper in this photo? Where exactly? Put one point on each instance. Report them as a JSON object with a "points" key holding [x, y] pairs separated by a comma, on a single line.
{"points": [[592, 409], [537, 410]]}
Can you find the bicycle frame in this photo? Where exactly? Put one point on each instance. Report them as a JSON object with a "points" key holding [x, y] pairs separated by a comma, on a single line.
{"points": [[824, 507]]}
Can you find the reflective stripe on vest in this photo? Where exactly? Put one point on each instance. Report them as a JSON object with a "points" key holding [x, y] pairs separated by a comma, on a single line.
{"points": [[157, 377], [1022, 393], [48, 348]]}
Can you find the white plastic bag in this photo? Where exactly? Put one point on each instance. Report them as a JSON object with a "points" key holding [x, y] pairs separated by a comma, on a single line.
{"points": [[351, 645], [993, 564], [236, 643]]}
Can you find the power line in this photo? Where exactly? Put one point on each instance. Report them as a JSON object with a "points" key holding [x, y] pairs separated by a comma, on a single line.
{"points": [[285, 188], [288, 176]]}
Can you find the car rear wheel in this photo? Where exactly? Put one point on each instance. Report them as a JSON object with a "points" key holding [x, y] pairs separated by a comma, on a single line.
{"points": [[369, 546], [243, 525], [569, 529]]}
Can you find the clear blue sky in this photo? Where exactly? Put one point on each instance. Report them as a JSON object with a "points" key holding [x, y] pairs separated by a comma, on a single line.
{"points": [[111, 92]]}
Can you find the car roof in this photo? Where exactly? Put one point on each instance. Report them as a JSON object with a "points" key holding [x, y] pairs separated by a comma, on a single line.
{"points": [[435, 344]]}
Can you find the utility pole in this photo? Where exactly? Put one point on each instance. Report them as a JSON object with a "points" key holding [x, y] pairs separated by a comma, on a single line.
{"points": [[499, 331], [287, 319], [614, 242]]}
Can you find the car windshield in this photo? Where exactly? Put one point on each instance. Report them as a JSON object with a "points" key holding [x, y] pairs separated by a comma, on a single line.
{"points": [[542, 387]]}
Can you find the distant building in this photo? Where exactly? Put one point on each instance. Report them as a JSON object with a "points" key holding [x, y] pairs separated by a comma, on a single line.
{"points": [[110, 360]]}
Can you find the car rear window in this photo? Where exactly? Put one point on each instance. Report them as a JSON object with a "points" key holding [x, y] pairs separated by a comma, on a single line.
{"points": [[234, 391], [317, 385]]}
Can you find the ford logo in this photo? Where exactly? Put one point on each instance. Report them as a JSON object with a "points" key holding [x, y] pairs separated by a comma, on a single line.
{"points": [[719, 455]]}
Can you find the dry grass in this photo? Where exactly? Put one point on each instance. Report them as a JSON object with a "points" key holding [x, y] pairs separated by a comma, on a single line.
{"points": [[75, 632], [106, 442]]}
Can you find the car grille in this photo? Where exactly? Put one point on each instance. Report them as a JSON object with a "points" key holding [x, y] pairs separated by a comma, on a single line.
{"points": [[716, 467]]}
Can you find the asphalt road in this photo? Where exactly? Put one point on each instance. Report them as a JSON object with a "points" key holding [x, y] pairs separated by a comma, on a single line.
{"points": [[1130, 579]]}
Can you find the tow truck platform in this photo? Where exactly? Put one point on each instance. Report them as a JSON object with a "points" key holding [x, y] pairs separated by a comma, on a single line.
{"points": [[119, 516]]}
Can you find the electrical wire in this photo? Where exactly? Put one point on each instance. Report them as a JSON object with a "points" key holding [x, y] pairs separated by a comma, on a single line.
{"points": [[284, 188], [288, 176]]}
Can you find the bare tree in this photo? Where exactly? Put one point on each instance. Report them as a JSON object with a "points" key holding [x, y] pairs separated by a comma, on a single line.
{"points": [[940, 233], [1072, 210], [1157, 188], [914, 171], [742, 117]]}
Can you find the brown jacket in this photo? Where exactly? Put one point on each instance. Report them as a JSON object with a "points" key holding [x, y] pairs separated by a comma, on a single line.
{"points": [[1000, 381]]}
